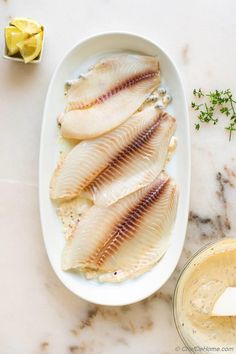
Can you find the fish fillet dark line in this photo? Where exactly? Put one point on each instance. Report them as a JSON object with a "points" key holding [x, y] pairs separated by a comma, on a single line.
{"points": [[139, 142], [116, 89], [126, 239], [121, 162], [126, 228]]}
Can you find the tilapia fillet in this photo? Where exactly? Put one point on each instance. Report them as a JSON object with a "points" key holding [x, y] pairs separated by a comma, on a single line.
{"points": [[108, 95], [127, 238], [119, 163]]}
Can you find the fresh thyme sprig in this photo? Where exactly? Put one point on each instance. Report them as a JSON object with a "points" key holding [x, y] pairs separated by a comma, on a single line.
{"points": [[211, 102]]}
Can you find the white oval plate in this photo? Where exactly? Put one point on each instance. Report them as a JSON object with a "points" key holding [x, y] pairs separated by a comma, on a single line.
{"points": [[78, 61]]}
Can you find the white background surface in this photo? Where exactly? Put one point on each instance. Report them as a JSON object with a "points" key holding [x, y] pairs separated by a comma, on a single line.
{"points": [[37, 314]]}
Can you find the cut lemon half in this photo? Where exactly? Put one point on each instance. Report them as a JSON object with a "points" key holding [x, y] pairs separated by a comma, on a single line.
{"points": [[13, 36], [26, 25], [30, 48]]}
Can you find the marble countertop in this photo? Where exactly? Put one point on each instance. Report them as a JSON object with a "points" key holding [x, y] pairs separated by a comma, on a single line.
{"points": [[37, 313]]}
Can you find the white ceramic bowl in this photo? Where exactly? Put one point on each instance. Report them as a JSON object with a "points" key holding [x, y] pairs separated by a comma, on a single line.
{"points": [[20, 59], [77, 61]]}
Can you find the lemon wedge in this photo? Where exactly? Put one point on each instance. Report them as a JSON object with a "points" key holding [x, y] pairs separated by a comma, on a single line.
{"points": [[13, 36], [30, 48], [26, 25]]}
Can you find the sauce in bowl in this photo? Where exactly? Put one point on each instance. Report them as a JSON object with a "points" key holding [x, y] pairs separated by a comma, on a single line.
{"points": [[203, 280]]}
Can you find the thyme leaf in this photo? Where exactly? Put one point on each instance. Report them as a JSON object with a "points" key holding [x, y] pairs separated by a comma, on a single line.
{"points": [[208, 103]]}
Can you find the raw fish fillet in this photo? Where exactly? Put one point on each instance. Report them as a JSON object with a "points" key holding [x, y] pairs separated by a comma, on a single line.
{"points": [[118, 163], [108, 95], [136, 165], [127, 238], [70, 213]]}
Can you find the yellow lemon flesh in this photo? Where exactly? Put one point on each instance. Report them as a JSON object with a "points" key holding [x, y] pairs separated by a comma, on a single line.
{"points": [[13, 36], [30, 48], [26, 25]]}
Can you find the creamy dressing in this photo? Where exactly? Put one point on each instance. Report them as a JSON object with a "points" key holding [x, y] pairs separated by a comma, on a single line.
{"points": [[201, 284]]}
